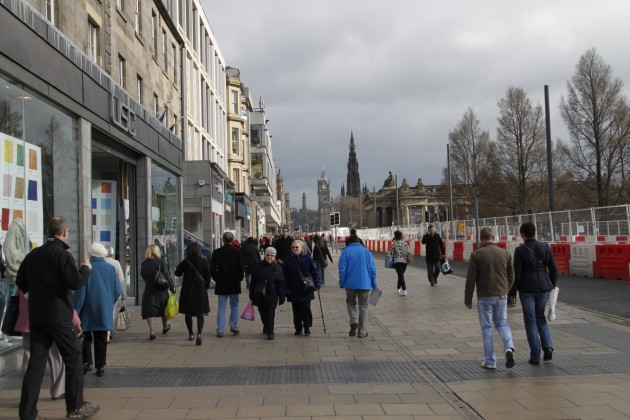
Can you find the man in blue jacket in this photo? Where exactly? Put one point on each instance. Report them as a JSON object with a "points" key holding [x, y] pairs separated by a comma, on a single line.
{"points": [[357, 274]]}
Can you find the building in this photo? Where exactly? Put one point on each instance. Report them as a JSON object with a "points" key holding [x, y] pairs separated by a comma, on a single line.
{"points": [[89, 111], [324, 204], [353, 180]]}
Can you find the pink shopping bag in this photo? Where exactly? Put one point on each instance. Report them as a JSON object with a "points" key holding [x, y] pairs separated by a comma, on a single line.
{"points": [[248, 312]]}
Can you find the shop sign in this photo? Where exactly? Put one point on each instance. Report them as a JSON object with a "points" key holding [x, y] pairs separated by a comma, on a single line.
{"points": [[120, 113]]}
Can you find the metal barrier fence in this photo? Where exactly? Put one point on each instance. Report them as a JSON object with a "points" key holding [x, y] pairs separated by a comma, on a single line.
{"points": [[558, 226]]}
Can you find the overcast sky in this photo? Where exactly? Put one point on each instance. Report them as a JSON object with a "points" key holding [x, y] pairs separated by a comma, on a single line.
{"points": [[401, 73]]}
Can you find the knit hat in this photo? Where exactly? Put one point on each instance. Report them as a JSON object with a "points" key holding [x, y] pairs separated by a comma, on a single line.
{"points": [[97, 250]]}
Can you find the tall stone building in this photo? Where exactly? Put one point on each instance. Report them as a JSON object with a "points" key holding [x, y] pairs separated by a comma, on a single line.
{"points": [[353, 182], [324, 205]]}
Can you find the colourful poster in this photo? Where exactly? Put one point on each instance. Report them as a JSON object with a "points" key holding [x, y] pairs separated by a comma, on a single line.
{"points": [[104, 212], [21, 187]]}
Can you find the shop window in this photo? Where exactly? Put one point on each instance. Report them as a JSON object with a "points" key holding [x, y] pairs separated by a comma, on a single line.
{"points": [[165, 214]]}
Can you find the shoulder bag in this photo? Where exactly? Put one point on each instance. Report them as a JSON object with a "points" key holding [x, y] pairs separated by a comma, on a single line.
{"points": [[199, 276], [307, 282], [160, 281]]}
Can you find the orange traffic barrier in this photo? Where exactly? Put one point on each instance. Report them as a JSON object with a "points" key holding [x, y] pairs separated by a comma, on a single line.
{"points": [[612, 261], [562, 255]]}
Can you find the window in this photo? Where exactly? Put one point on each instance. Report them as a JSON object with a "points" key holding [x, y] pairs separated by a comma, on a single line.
{"points": [[139, 89], [154, 34], [173, 126], [174, 61], [236, 179], [138, 17], [122, 71], [235, 140], [50, 11], [120, 4], [155, 104], [235, 102], [93, 41], [165, 50]]}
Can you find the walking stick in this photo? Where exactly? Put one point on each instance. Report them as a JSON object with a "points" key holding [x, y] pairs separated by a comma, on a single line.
{"points": [[321, 309]]}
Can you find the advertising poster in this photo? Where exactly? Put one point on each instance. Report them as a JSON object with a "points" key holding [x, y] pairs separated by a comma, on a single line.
{"points": [[104, 212]]}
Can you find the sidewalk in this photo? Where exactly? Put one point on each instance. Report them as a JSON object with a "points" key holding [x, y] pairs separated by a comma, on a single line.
{"points": [[422, 358]]}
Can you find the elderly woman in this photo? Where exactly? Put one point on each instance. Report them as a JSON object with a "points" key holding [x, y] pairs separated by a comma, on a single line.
{"points": [[297, 266], [193, 299], [154, 299], [95, 303], [267, 290]]}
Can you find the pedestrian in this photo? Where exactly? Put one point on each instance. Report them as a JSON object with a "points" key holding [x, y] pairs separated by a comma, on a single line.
{"points": [[122, 300], [251, 257], [55, 362], [49, 275], [267, 290], [490, 270], [16, 246], [297, 267], [353, 231], [535, 275], [95, 303], [399, 251], [227, 270], [193, 297], [321, 255], [357, 274], [283, 246], [154, 299], [434, 252], [3, 284]]}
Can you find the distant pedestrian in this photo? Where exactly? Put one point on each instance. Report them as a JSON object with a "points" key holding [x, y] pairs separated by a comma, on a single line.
{"points": [[357, 274], [193, 297], [434, 252], [353, 231], [490, 270], [227, 269], [154, 300], [321, 255], [296, 267], [251, 257], [536, 275], [399, 251], [267, 290], [283, 246], [49, 275]]}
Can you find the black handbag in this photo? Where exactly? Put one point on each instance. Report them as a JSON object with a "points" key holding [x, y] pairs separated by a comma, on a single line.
{"points": [[307, 282], [11, 317], [160, 281], [260, 289]]}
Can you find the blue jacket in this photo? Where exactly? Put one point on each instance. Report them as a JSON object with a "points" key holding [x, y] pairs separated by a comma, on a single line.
{"points": [[95, 301], [357, 270]]}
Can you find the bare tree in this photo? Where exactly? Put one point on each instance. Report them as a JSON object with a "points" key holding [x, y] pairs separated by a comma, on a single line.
{"points": [[520, 150], [598, 119], [470, 147]]}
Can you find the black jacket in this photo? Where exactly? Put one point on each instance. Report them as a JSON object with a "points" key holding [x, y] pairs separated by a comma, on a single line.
{"points": [[193, 298], [283, 248], [535, 268], [273, 277], [251, 256], [434, 247], [227, 270], [49, 275]]}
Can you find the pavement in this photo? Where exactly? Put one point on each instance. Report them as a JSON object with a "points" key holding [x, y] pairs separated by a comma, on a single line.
{"points": [[421, 359]]}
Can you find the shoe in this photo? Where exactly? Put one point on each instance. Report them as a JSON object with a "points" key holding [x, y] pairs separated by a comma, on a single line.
{"points": [[534, 362], [60, 397], [87, 410], [399, 292], [220, 334], [235, 331], [432, 284], [167, 329], [487, 366], [362, 335], [264, 330], [404, 293], [152, 337], [353, 329], [298, 332], [86, 368], [199, 340], [271, 336], [100, 371], [307, 331], [191, 337], [509, 359], [548, 354]]}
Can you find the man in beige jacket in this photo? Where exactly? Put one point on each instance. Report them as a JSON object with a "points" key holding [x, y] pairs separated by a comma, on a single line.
{"points": [[490, 269]]}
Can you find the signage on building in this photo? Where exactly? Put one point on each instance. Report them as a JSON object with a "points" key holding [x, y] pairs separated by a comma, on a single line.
{"points": [[120, 114], [217, 188]]}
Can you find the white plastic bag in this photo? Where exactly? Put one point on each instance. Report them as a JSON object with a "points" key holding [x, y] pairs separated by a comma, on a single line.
{"points": [[553, 298], [375, 295]]}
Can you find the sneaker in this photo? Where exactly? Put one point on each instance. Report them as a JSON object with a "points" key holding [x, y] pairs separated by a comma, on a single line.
{"points": [[353, 329], [220, 334], [509, 359], [362, 335], [548, 354], [234, 331], [404, 293], [87, 410], [487, 366], [399, 292]]}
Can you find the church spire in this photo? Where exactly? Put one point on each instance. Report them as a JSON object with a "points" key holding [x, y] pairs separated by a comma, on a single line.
{"points": [[353, 180]]}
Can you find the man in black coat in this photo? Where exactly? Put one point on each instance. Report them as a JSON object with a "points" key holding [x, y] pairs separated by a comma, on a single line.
{"points": [[283, 246], [251, 257], [227, 269], [434, 252], [49, 275]]}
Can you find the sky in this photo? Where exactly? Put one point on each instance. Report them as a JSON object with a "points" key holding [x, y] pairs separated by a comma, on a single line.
{"points": [[400, 74]]}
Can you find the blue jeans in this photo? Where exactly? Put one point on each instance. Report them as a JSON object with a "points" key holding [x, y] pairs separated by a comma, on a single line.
{"points": [[320, 269], [494, 309], [536, 326], [223, 299]]}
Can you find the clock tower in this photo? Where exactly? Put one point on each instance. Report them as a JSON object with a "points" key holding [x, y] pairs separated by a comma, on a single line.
{"points": [[324, 205]]}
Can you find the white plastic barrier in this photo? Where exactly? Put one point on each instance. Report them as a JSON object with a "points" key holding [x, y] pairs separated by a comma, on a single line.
{"points": [[511, 247], [450, 246], [468, 249], [582, 258]]}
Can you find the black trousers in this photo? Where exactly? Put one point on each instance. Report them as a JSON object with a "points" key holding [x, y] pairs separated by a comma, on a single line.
{"points": [[42, 337], [434, 268], [99, 338], [268, 317], [302, 315], [400, 270]]}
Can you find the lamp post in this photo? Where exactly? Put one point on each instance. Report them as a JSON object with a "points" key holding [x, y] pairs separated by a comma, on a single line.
{"points": [[397, 214]]}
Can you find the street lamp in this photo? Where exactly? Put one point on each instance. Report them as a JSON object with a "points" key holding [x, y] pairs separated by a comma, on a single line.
{"points": [[397, 213]]}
